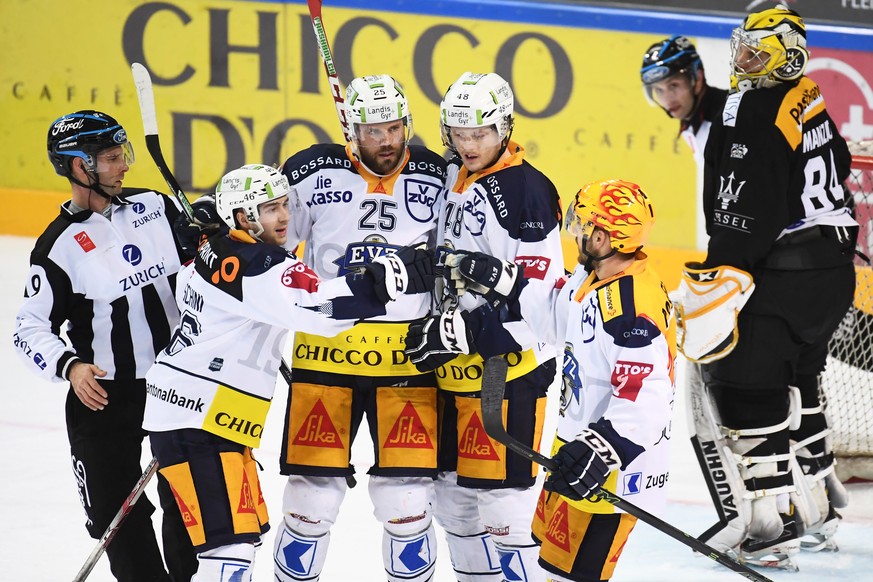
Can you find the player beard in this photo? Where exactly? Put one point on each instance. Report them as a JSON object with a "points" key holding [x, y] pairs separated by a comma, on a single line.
{"points": [[381, 163]]}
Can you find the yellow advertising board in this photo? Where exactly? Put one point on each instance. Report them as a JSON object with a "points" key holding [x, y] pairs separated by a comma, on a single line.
{"points": [[241, 82]]}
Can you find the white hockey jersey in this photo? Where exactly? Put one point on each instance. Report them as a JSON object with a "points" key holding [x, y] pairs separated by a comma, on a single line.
{"points": [[238, 300], [619, 340], [107, 283], [348, 216], [510, 211]]}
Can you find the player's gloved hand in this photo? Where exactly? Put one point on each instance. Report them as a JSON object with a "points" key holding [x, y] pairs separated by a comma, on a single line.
{"points": [[482, 274], [191, 234], [583, 466], [409, 270], [437, 340]]}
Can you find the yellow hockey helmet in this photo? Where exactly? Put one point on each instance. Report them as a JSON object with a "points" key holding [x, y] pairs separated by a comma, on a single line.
{"points": [[619, 207], [769, 48]]}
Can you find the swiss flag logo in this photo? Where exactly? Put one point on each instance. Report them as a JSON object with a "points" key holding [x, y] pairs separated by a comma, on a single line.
{"points": [[85, 241], [474, 442], [408, 432], [318, 430]]}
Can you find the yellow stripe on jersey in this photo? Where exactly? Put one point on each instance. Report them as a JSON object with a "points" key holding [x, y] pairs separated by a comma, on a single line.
{"points": [[800, 104], [237, 416], [377, 184], [464, 373], [367, 349]]}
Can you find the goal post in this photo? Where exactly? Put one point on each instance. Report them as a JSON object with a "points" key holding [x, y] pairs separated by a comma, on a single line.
{"points": [[848, 378]]}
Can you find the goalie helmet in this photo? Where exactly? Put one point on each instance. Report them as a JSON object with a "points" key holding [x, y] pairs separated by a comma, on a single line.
{"points": [[619, 207], [769, 48], [84, 134], [245, 189], [672, 56], [477, 100]]}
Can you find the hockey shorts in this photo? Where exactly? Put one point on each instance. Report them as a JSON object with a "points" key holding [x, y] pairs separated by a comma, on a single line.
{"points": [[480, 461], [578, 545], [215, 482], [325, 411]]}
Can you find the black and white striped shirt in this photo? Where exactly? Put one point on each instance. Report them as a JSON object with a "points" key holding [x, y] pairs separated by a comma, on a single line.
{"points": [[109, 284]]}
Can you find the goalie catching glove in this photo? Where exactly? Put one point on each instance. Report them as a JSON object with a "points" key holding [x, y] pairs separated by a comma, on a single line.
{"points": [[482, 274], [408, 270], [583, 466], [438, 340], [707, 303]]}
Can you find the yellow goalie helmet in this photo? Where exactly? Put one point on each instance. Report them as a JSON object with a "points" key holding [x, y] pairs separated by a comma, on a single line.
{"points": [[619, 207], [769, 48]]}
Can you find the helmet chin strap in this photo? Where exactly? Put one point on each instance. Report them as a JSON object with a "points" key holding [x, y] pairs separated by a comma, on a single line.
{"points": [[94, 187], [589, 262]]}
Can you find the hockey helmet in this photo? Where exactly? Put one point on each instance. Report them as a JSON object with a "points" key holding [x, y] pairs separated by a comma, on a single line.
{"points": [[84, 134], [246, 188], [477, 100], [769, 48], [671, 56], [376, 99], [619, 207]]}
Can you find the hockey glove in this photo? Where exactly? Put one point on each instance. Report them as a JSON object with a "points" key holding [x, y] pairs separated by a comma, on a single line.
{"points": [[483, 275], [206, 223], [583, 466], [409, 270], [438, 340]]}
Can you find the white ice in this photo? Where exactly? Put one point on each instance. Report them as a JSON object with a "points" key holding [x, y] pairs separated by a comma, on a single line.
{"points": [[43, 539]]}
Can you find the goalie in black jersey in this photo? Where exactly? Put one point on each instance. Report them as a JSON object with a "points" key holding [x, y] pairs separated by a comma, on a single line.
{"points": [[782, 238]]}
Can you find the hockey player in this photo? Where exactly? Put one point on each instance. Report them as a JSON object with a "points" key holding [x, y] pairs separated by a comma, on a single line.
{"points": [[616, 323], [104, 270], [210, 389], [673, 78], [781, 238], [497, 203], [351, 204]]}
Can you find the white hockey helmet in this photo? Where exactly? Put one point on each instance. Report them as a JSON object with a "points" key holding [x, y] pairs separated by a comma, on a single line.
{"points": [[246, 188], [376, 99], [477, 100]]}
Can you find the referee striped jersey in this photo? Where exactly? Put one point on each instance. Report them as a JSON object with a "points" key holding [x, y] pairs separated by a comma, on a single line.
{"points": [[108, 284]]}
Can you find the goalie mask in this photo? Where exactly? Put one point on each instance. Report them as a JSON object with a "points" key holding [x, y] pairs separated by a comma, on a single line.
{"points": [[477, 101], [618, 207], [245, 189], [372, 104], [84, 134], [768, 49]]}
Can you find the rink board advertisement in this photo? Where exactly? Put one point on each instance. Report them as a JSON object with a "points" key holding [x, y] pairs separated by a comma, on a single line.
{"points": [[241, 82]]}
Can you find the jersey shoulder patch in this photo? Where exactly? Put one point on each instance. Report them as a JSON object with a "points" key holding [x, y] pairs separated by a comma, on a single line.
{"points": [[801, 103], [315, 158], [424, 161], [621, 316]]}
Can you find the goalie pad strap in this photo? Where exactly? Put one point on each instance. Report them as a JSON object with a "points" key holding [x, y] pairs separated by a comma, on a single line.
{"points": [[737, 433], [816, 437]]}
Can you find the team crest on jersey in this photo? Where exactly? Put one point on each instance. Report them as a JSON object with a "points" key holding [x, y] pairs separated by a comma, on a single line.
{"points": [[420, 196], [739, 150], [570, 379], [360, 254], [729, 191], [474, 212]]}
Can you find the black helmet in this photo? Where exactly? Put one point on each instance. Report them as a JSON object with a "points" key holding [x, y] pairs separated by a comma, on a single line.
{"points": [[84, 134], [669, 57]]}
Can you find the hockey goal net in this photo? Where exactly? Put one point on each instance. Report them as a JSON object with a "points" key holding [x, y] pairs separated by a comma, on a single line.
{"points": [[848, 378]]}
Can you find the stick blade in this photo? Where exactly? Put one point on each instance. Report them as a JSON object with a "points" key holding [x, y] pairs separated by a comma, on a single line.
{"points": [[146, 96]]}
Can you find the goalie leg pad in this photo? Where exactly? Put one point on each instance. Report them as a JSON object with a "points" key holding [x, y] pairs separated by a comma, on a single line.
{"points": [[471, 547], [233, 563]]}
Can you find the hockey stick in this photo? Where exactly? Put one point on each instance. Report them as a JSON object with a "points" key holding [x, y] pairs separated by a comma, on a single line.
{"points": [[115, 524], [329, 68], [493, 385], [146, 95]]}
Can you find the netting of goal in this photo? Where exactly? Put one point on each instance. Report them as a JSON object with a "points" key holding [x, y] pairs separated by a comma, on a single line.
{"points": [[848, 378]]}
